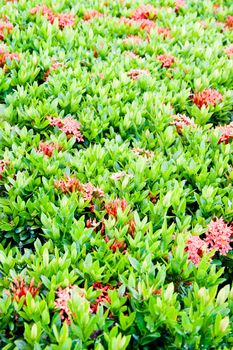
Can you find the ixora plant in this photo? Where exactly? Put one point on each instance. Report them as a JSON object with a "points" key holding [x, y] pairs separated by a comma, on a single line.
{"points": [[116, 170]]}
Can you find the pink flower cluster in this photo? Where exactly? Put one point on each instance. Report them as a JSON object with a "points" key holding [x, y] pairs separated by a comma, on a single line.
{"points": [[165, 32], [181, 121], [195, 248], [74, 185], [226, 133], [63, 297], [64, 19], [167, 61], [131, 54], [68, 125], [48, 148], [4, 55], [113, 205], [55, 65], [144, 12], [133, 39], [92, 14], [143, 152], [179, 4], [3, 165], [5, 27], [136, 73], [217, 237], [207, 97], [229, 50], [118, 176]]}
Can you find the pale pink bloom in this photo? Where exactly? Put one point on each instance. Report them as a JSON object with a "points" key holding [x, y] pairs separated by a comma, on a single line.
{"points": [[117, 176], [63, 297], [181, 121], [229, 50], [179, 4], [166, 60], [89, 191], [219, 236], [68, 125], [3, 165], [133, 39], [131, 54], [226, 132], [143, 152], [136, 73]]}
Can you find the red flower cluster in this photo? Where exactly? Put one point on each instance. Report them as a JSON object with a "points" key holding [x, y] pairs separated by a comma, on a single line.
{"points": [[181, 121], [5, 27], [179, 4], [63, 297], [226, 133], [68, 125], [20, 289], [74, 185], [145, 24], [144, 12], [64, 19], [207, 97], [54, 66], [48, 148], [117, 245], [3, 164], [4, 55], [112, 206], [92, 14], [229, 22], [229, 50], [167, 61], [102, 298], [136, 73], [219, 236], [143, 152]]}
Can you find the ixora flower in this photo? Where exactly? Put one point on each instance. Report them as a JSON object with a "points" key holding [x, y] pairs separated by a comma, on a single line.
{"points": [[166, 60], [144, 12], [68, 125], [165, 32], [20, 289], [117, 245], [229, 22], [103, 297], [44, 11], [48, 148], [195, 248], [181, 121], [179, 4], [71, 184], [92, 14], [55, 65], [133, 40], [226, 132], [3, 165], [229, 50], [218, 236], [64, 19], [143, 152], [5, 27], [207, 97], [113, 205], [118, 176], [131, 54], [5, 55], [136, 73], [63, 297]]}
